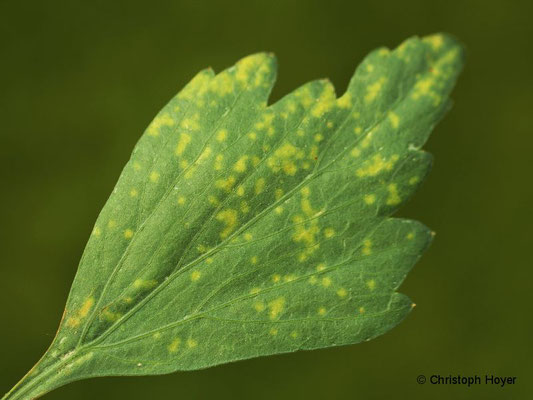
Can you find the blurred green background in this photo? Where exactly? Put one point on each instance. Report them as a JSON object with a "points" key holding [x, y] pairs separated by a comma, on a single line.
{"points": [[81, 80]]}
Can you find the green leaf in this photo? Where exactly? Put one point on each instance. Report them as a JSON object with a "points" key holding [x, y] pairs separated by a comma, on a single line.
{"points": [[239, 229]]}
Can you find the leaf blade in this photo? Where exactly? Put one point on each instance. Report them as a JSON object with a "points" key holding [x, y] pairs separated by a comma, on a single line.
{"points": [[239, 229]]}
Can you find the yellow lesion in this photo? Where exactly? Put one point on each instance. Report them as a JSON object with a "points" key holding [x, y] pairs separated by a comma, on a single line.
{"points": [[154, 176], [394, 119], [254, 260], [321, 311], [108, 315], [245, 208], [273, 331], [345, 101], [285, 159], [226, 184], [174, 346], [326, 281], [181, 200], [191, 343], [240, 165], [159, 121], [276, 278], [219, 162], [259, 306], [367, 247], [83, 311], [370, 199], [229, 218], [436, 41], [191, 123], [195, 275], [325, 102], [276, 307], [223, 84], [371, 284], [144, 284], [128, 233], [96, 231], [393, 197], [410, 236], [373, 90], [342, 293], [329, 232], [222, 134], [134, 192], [376, 165], [259, 185]]}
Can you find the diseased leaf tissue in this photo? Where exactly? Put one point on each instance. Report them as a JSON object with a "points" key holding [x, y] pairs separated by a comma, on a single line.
{"points": [[238, 229]]}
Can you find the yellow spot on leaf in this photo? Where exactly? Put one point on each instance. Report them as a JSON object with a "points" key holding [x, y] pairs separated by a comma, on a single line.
{"points": [[342, 292], [254, 260], [393, 198], [229, 218], [329, 232], [219, 164], [367, 247], [191, 343], [436, 41], [158, 122], [376, 165], [371, 284], [273, 331], [326, 281], [240, 165], [128, 233], [345, 101], [144, 284], [259, 306], [174, 346], [276, 307], [394, 120], [370, 199], [276, 278], [195, 275], [222, 135], [226, 184], [373, 90], [181, 200], [134, 192], [185, 139], [259, 186], [322, 311], [154, 176]]}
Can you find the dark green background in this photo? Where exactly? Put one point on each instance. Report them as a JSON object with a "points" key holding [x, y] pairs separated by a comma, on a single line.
{"points": [[81, 80]]}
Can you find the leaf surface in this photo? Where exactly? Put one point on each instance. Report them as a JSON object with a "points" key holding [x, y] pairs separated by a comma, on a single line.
{"points": [[239, 229]]}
